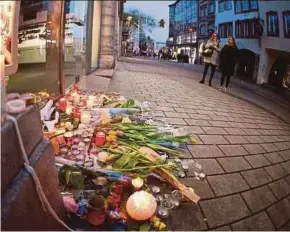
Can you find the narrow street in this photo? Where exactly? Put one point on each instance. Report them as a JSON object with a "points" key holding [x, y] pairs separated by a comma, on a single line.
{"points": [[243, 147]]}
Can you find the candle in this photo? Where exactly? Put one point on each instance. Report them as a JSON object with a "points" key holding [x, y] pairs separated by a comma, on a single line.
{"points": [[92, 97], [141, 206], [155, 189], [62, 104], [100, 138], [137, 183], [90, 104], [85, 117], [68, 110]]}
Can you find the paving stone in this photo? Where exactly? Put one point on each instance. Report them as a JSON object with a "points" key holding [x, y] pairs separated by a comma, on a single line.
{"points": [[257, 160], [268, 139], [286, 166], [224, 210], [254, 148], [219, 118], [279, 213], [236, 139], [227, 184], [274, 157], [176, 115], [256, 177], [219, 124], [162, 108], [276, 171], [194, 122], [254, 139], [280, 188], [195, 129], [233, 150], [286, 227], [269, 147], [214, 130], [281, 146], [208, 151], [197, 139], [187, 218], [285, 154], [258, 222], [184, 110], [233, 164], [175, 121], [158, 114], [235, 131], [224, 228], [209, 167], [200, 116], [264, 132], [213, 139], [251, 131], [259, 198], [201, 187]]}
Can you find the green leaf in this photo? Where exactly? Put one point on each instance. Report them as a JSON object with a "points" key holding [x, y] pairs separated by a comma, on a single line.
{"points": [[145, 227], [77, 180], [67, 177]]}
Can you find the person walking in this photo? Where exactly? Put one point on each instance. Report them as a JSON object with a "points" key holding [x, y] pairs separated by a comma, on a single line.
{"points": [[210, 52], [228, 58]]}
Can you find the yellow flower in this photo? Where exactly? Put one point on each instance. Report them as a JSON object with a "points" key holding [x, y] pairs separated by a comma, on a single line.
{"points": [[192, 140]]}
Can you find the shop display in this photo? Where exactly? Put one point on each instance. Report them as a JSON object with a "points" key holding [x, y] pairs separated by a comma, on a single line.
{"points": [[118, 166]]}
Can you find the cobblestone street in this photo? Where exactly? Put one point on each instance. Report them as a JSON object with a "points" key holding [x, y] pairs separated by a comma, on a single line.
{"points": [[244, 150]]}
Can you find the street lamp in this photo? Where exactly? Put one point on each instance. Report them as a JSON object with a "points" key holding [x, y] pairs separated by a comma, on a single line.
{"points": [[129, 18]]}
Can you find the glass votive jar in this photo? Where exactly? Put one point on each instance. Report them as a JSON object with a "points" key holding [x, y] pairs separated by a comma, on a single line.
{"points": [[74, 147], [176, 197], [165, 208]]}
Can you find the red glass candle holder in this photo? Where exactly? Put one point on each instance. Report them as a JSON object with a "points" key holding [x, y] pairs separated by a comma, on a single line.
{"points": [[100, 139], [62, 104]]}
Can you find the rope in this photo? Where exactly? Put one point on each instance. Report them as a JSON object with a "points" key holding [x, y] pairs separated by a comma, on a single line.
{"points": [[45, 203]]}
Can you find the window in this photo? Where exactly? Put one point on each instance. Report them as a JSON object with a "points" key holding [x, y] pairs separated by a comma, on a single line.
{"points": [[272, 24], [286, 23], [242, 6], [29, 15], [203, 30], [226, 30], [224, 5], [211, 8], [246, 29], [203, 11]]}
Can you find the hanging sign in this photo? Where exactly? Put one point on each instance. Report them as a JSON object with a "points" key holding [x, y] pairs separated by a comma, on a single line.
{"points": [[9, 12]]}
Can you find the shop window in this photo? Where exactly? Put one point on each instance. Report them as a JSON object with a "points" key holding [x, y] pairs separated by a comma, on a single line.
{"points": [[243, 6], [224, 5], [286, 23], [226, 30], [29, 15], [211, 8], [203, 30], [272, 24], [245, 29], [203, 11]]}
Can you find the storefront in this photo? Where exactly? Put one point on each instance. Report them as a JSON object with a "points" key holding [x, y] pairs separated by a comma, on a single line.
{"points": [[58, 42]]}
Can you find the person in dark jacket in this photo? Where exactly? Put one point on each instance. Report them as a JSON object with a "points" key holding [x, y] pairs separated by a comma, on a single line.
{"points": [[228, 59]]}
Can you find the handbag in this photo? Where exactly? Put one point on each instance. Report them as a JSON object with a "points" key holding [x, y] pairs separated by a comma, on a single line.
{"points": [[207, 53]]}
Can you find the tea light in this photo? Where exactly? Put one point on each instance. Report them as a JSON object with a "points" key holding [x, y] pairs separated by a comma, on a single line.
{"points": [[90, 104], [85, 117], [137, 183], [68, 110], [80, 157], [159, 198], [62, 104], [155, 189], [102, 156], [86, 140], [141, 206], [92, 97], [185, 166], [181, 174]]}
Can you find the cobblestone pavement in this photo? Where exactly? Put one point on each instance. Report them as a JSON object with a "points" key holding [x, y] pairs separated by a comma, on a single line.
{"points": [[244, 150]]}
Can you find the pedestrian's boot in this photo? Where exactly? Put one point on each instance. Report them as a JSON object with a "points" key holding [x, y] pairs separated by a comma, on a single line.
{"points": [[202, 81], [209, 82]]}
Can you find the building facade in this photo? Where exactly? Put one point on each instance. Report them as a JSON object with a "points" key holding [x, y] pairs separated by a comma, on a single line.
{"points": [[60, 41], [182, 27], [274, 68], [240, 19], [206, 21]]}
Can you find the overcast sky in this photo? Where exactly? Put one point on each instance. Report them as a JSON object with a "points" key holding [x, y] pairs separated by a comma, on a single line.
{"points": [[157, 9]]}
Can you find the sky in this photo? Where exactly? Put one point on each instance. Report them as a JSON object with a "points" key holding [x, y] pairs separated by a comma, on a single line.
{"points": [[158, 10]]}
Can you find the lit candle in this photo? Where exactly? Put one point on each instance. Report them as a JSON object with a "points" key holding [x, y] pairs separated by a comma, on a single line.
{"points": [[141, 206], [62, 104], [137, 183], [100, 139], [68, 110], [90, 104], [85, 117]]}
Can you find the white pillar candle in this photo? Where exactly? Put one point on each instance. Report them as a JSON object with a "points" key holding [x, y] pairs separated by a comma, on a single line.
{"points": [[68, 110], [92, 97], [85, 117], [90, 104]]}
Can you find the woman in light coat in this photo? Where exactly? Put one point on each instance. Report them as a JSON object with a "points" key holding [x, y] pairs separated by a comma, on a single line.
{"points": [[210, 52]]}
